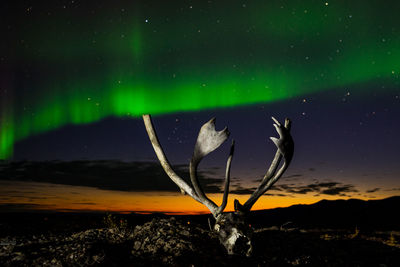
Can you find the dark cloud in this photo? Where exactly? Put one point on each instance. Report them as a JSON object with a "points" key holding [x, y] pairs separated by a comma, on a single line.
{"points": [[276, 188], [212, 189], [26, 197], [325, 188], [373, 190], [115, 175], [10, 207], [111, 175], [293, 177], [210, 172], [243, 191], [33, 197], [238, 189], [393, 189], [275, 195], [148, 176], [257, 180], [295, 190], [339, 190]]}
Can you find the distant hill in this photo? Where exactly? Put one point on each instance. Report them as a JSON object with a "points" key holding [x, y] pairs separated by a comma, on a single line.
{"points": [[372, 214]]}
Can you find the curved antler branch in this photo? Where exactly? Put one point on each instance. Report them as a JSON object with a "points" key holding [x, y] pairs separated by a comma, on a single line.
{"points": [[185, 188], [285, 148], [208, 140], [227, 180]]}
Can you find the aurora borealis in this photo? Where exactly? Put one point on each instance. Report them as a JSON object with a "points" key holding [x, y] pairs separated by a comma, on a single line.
{"points": [[88, 61], [85, 63]]}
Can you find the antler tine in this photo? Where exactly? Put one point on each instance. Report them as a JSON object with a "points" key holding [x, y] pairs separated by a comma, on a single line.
{"points": [[208, 140], [278, 156], [185, 188], [285, 147], [227, 180]]}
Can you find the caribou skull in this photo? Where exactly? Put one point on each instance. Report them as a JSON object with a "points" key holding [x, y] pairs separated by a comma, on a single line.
{"points": [[232, 228]]}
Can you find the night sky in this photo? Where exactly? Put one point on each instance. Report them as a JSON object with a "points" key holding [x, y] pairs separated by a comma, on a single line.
{"points": [[77, 75]]}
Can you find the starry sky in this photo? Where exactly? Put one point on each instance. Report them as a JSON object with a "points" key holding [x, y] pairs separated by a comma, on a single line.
{"points": [[77, 75]]}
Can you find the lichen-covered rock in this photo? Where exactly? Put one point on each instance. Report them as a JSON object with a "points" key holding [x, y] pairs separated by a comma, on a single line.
{"points": [[79, 249], [160, 241], [168, 239]]}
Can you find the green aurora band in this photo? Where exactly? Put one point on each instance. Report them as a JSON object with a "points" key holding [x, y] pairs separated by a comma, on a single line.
{"points": [[157, 63]]}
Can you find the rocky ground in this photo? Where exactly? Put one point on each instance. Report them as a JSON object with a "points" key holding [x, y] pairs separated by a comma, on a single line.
{"points": [[170, 241]]}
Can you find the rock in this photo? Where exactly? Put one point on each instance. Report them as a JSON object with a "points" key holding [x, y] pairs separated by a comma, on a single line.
{"points": [[18, 256], [185, 233], [137, 245], [168, 239]]}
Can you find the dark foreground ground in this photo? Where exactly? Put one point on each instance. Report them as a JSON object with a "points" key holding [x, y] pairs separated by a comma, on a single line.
{"points": [[65, 239]]}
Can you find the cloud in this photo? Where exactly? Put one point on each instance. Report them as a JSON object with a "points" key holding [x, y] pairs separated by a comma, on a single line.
{"points": [[149, 176], [293, 177], [110, 175], [242, 191], [238, 189], [339, 190], [393, 189], [116, 175], [324, 188], [11, 207], [373, 190], [295, 190]]}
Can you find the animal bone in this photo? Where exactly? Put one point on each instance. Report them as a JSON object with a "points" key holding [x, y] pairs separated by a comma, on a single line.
{"points": [[233, 229]]}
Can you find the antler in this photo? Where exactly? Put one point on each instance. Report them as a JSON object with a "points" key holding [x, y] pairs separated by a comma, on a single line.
{"points": [[285, 148], [208, 140]]}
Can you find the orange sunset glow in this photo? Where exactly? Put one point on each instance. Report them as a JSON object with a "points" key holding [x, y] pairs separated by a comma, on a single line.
{"points": [[55, 197]]}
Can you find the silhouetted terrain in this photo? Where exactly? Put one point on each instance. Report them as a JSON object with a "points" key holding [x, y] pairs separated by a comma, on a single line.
{"points": [[372, 214], [327, 233], [369, 215]]}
